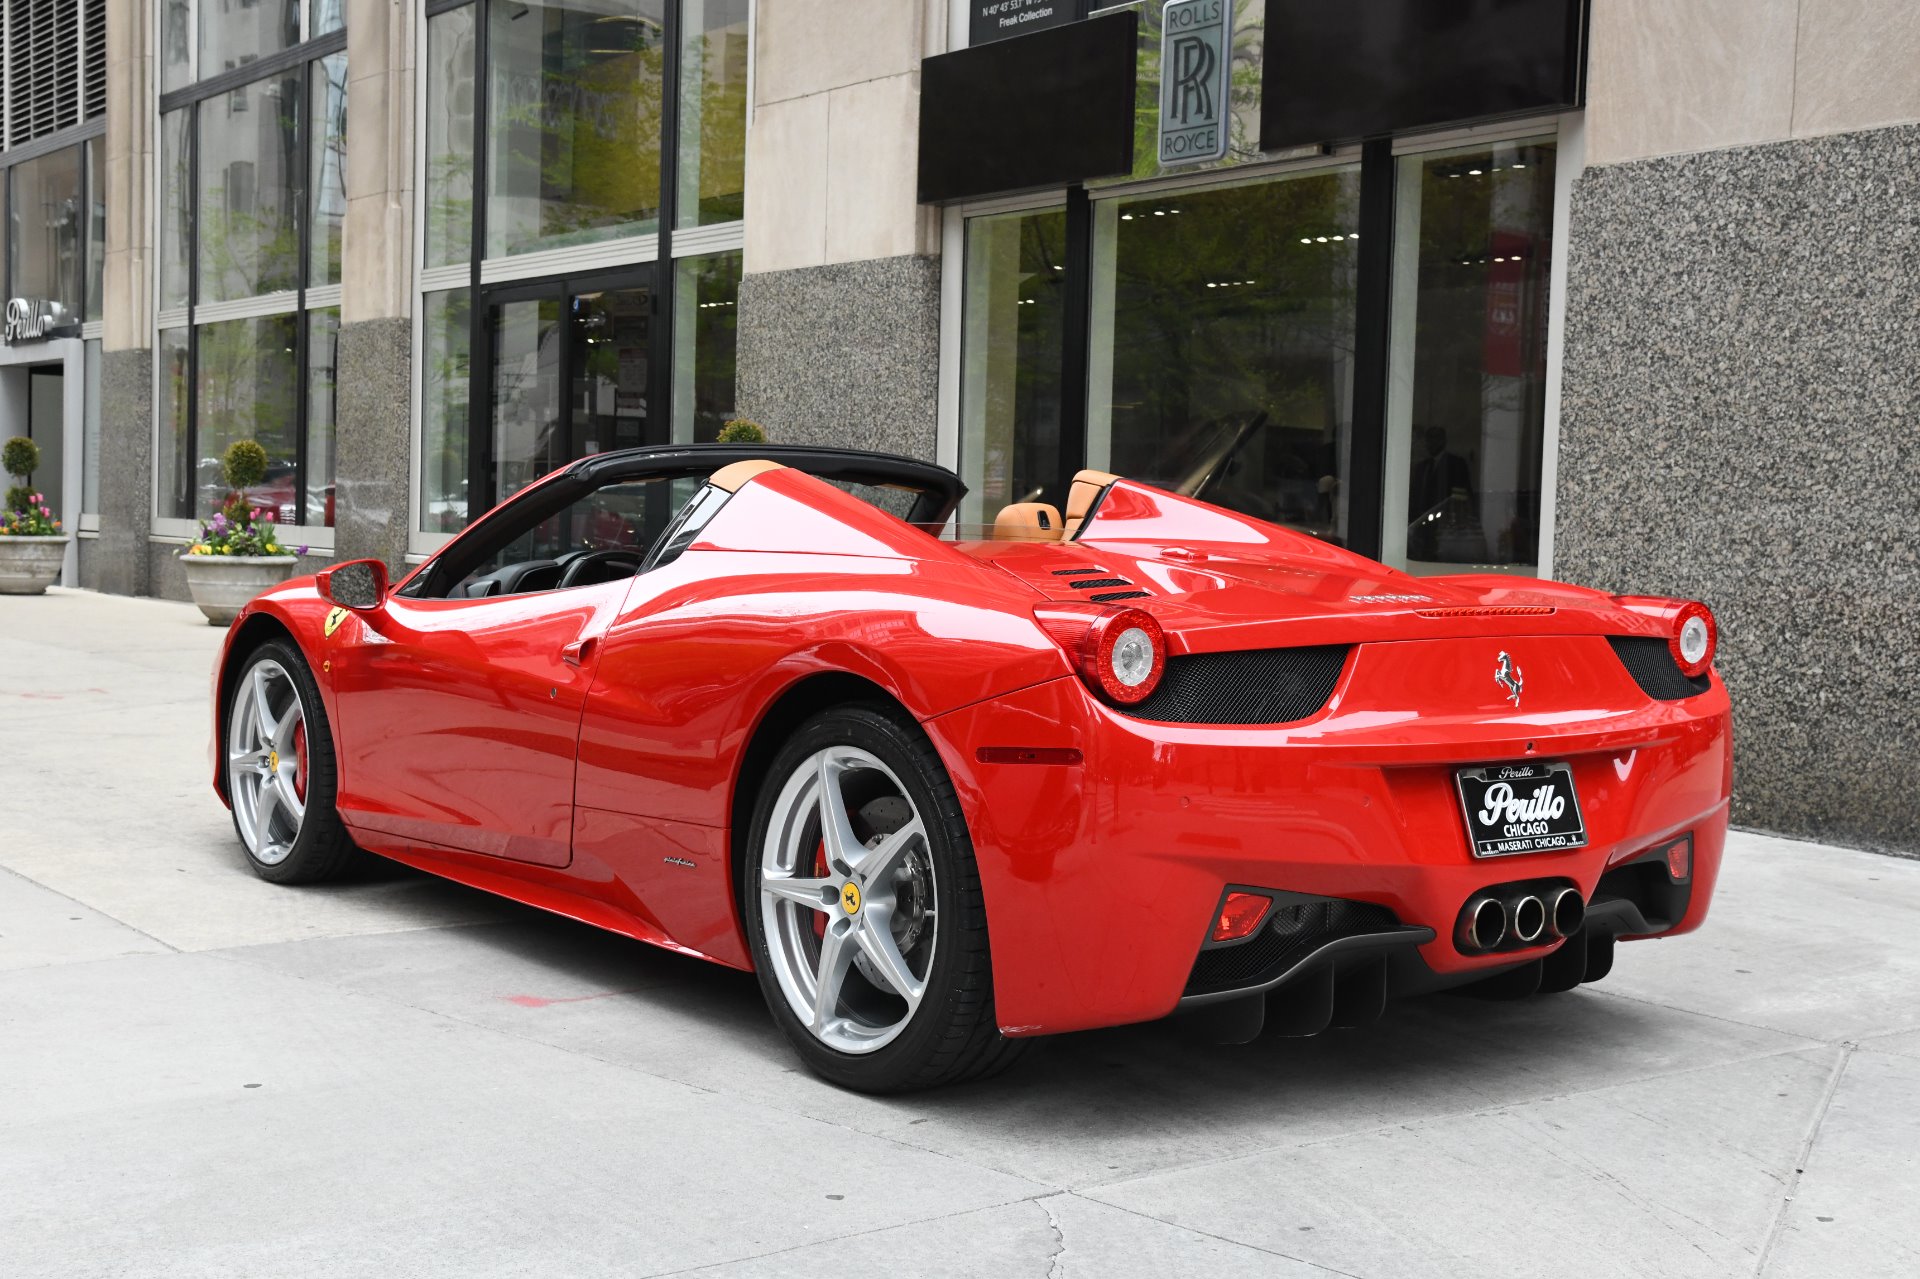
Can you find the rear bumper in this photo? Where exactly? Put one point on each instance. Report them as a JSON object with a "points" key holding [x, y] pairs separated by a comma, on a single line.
{"points": [[1102, 878]]}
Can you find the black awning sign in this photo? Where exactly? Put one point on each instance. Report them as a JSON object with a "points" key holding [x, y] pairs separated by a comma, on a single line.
{"points": [[997, 19]]}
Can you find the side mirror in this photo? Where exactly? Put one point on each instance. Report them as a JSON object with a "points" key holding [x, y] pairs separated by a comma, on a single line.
{"points": [[357, 584]]}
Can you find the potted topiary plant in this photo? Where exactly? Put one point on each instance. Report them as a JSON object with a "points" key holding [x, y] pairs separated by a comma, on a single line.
{"points": [[33, 546], [740, 430], [238, 554]]}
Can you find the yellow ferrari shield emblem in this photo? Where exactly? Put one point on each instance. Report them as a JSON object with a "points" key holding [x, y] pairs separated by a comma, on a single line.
{"points": [[334, 619], [850, 898]]}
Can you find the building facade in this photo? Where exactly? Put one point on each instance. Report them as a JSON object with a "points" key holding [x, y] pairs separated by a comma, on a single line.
{"points": [[1617, 291]]}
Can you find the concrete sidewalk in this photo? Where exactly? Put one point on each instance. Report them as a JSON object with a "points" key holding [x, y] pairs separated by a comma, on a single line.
{"points": [[202, 1074]]}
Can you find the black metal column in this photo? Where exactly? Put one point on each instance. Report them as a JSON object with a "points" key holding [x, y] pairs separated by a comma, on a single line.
{"points": [[1366, 458]]}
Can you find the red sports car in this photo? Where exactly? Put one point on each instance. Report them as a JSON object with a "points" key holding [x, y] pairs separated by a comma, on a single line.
{"points": [[743, 702]]}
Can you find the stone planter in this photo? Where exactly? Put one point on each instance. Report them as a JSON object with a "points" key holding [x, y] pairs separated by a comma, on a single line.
{"points": [[29, 565], [223, 584]]}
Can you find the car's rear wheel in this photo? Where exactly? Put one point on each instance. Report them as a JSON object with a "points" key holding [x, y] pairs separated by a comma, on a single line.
{"points": [[280, 769], [864, 908]]}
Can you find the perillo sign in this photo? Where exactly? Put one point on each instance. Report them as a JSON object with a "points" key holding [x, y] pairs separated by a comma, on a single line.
{"points": [[29, 319]]}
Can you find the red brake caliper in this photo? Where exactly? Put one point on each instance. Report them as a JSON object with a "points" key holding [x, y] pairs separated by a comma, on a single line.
{"points": [[300, 760], [820, 872]]}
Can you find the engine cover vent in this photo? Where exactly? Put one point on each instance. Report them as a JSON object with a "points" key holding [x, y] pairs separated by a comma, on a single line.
{"points": [[1253, 686], [1650, 662]]}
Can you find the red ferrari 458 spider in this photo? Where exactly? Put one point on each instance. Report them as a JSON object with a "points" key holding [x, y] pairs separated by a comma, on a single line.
{"points": [[941, 797]]}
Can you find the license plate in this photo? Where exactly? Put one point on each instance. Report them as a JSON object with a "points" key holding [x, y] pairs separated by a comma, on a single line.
{"points": [[1521, 808]]}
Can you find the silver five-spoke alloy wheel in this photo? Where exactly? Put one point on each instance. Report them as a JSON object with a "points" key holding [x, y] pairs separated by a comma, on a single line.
{"points": [[848, 896], [266, 759]]}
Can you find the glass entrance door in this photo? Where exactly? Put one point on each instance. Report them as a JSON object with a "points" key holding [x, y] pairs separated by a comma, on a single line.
{"points": [[569, 371]]}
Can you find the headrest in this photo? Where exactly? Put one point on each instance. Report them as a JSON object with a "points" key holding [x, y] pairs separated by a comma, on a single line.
{"points": [[731, 476], [1027, 522], [1087, 485]]}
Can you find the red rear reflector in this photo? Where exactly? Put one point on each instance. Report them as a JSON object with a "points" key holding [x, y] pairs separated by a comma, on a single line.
{"points": [[1027, 755], [1680, 860], [1240, 914]]}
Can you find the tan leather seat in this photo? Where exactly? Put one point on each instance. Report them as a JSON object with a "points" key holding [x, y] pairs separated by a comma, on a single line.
{"points": [[1087, 486], [731, 476], [1028, 522]]}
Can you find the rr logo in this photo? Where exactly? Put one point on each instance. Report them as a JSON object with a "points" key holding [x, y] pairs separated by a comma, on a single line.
{"points": [[1193, 61]]}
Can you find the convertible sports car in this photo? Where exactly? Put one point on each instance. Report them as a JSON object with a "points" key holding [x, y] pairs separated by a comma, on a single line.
{"points": [[1144, 757]]}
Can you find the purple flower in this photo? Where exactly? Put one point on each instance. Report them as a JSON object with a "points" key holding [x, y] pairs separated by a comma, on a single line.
{"points": [[301, 550]]}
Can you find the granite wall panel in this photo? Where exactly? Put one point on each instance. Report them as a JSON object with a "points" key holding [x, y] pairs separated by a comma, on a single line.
{"points": [[373, 441], [117, 561], [846, 354], [1740, 423]]}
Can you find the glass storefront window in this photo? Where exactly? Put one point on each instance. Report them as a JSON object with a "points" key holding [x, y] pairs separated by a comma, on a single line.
{"points": [[706, 294], [325, 16], [713, 112], [448, 236], [176, 44], [609, 358], [96, 227], [46, 232], [176, 225], [327, 182], [249, 235], [444, 396], [174, 461], [1221, 359], [529, 424], [235, 32], [1467, 412], [1015, 289], [573, 122], [323, 362], [248, 387]]}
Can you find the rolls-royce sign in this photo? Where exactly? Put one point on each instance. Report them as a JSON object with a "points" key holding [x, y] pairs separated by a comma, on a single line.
{"points": [[1196, 46], [33, 319]]}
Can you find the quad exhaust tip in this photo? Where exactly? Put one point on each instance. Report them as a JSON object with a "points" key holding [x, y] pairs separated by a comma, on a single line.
{"points": [[1525, 918], [1566, 912], [1483, 924]]}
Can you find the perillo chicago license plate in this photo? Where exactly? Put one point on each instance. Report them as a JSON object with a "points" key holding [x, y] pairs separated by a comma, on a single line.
{"points": [[1521, 808]]}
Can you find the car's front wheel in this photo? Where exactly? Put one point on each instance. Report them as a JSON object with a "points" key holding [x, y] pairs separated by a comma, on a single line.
{"points": [[280, 770], [864, 908]]}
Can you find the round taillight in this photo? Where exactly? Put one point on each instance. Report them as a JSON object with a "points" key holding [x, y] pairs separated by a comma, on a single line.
{"points": [[1695, 636], [1124, 655]]}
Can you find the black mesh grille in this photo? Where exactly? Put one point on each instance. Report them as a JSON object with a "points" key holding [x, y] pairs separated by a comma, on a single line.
{"points": [[1650, 662], [1256, 686], [1090, 583], [1294, 931], [1107, 597]]}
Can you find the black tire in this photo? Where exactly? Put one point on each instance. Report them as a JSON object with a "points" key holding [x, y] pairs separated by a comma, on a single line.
{"points": [[322, 850], [952, 1036]]}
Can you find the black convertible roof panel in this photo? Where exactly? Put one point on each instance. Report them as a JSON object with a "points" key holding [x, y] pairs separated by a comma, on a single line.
{"points": [[940, 489]]}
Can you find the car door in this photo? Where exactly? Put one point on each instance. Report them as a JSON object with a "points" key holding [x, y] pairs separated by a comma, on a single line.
{"points": [[459, 702]]}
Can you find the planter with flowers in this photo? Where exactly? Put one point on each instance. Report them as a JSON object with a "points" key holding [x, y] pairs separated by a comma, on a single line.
{"points": [[238, 554], [33, 546]]}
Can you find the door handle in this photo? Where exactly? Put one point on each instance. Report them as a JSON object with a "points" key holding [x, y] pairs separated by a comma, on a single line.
{"points": [[577, 653]]}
